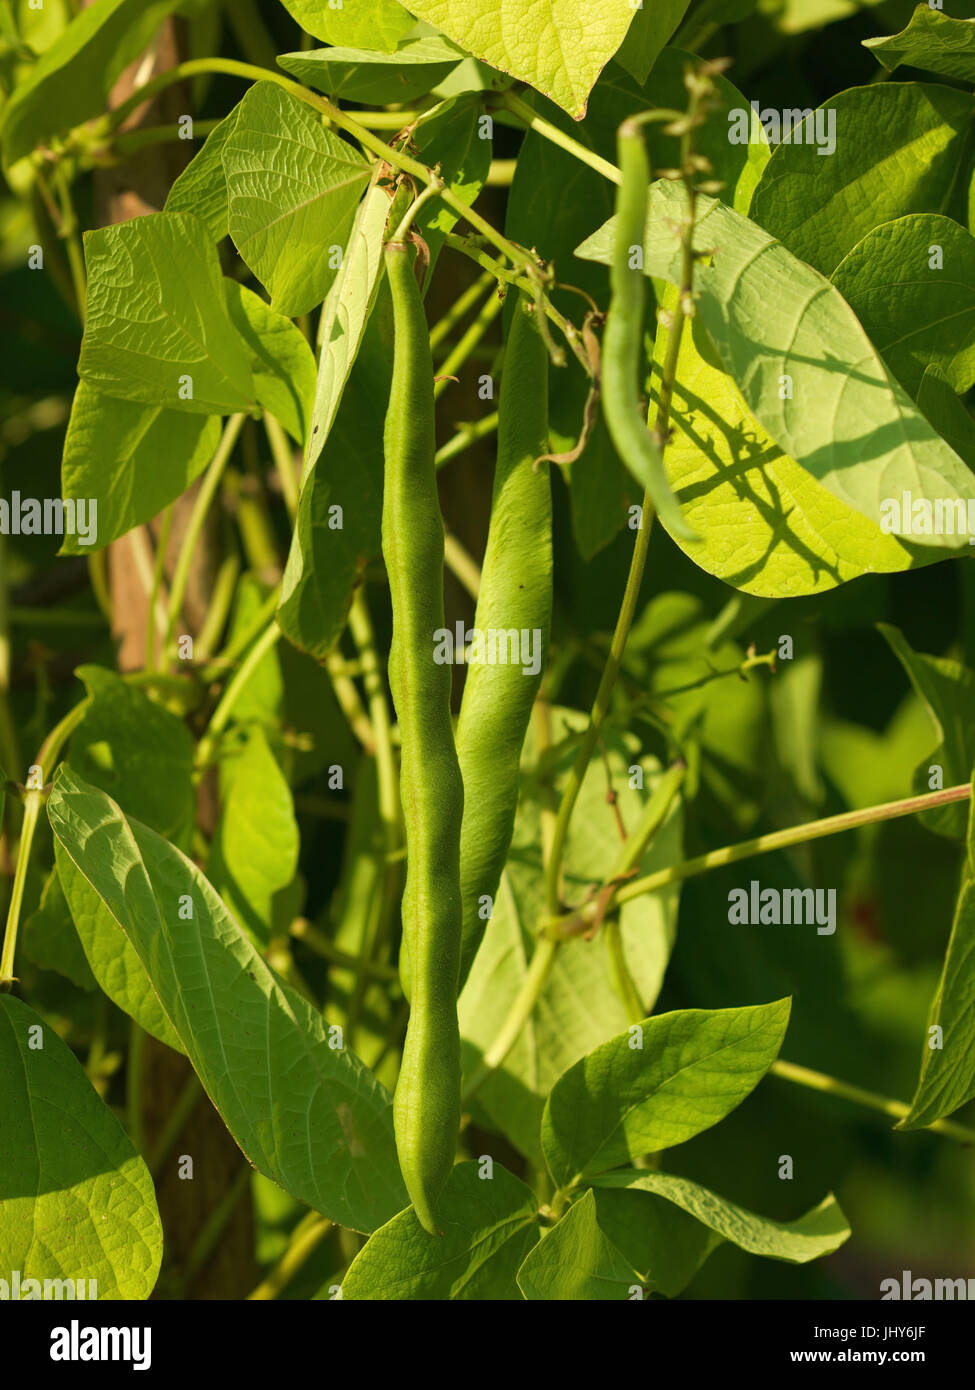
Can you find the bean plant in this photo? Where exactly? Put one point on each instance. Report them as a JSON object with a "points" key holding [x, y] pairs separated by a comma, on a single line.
{"points": [[486, 649]]}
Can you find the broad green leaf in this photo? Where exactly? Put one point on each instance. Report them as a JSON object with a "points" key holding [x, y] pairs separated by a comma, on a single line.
{"points": [[559, 48], [76, 1200], [947, 1079], [933, 41], [137, 751], [158, 329], [255, 847], [202, 186], [304, 1110], [575, 1261], [765, 524], [132, 459], [367, 23], [822, 206], [380, 79], [71, 81], [658, 1084], [947, 690], [489, 1225], [293, 187], [50, 939], [111, 957], [665, 1244], [579, 1007], [653, 25], [941, 406], [803, 363], [338, 526], [280, 359], [916, 314], [818, 1232]]}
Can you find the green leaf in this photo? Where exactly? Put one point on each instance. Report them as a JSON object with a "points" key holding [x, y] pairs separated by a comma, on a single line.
{"points": [[202, 186], [293, 187], [339, 514], [667, 1245], [111, 958], [579, 1007], [657, 1085], [280, 359], [933, 41], [651, 28], [821, 207], [367, 23], [158, 328], [575, 1261], [941, 406], [137, 751], [133, 459], [947, 1077], [50, 939], [818, 1232], [916, 315], [774, 320], [947, 691], [378, 79], [255, 847], [76, 1200], [304, 1110], [489, 1225], [559, 48], [72, 80], [765, 524]]}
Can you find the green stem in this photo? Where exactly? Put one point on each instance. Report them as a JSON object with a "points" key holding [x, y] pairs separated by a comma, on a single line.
{"points": [[520, 1012], [819, 1081], [466, 436], [69, 232], [176, 1121], [33, 801], [468, 341], [130, 142], [133, 1085], [463, 566], [201, 506], [306, 1237], [213, 1229], [303, 930], [284, 463], [158, 574], [460, 307], [574, 923], [520, 108], [221, 715]]}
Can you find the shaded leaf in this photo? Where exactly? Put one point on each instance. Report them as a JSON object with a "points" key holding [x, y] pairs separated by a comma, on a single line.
{"points": [[576, 1261], [934, 41], [280, 359], [381, 79], [202, 186]]}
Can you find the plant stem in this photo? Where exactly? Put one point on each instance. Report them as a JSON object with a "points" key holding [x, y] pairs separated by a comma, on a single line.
{"points": [[156, 605], [521, 1011], [204, 498], [574, 923], [469, 340], [520, 108], [466, 436], [133, 1085], [460, 307], [213, 1229], [819, 1081], [306, 1237], [34, 799], [283, 462], [176, 1121], [463, 565], [221, 715]]}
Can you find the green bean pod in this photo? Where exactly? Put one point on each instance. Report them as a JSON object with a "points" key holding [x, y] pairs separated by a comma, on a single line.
{"points": [[515, 597], [426, 1107], [623, 338]]}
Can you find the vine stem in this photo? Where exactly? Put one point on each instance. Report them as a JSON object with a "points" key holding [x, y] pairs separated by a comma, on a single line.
{"points": [[466, 436], [34, 799], [306, 1237], [204, 498], [526, 114], [576, 923], [221, 715], [819, 1081], [461, 306], [468, 341], [342, 120], [284, 463], [521, 1011]]}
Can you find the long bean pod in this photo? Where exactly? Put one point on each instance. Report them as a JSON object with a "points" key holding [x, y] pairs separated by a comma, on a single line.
{"points": [[426, 1108]]}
